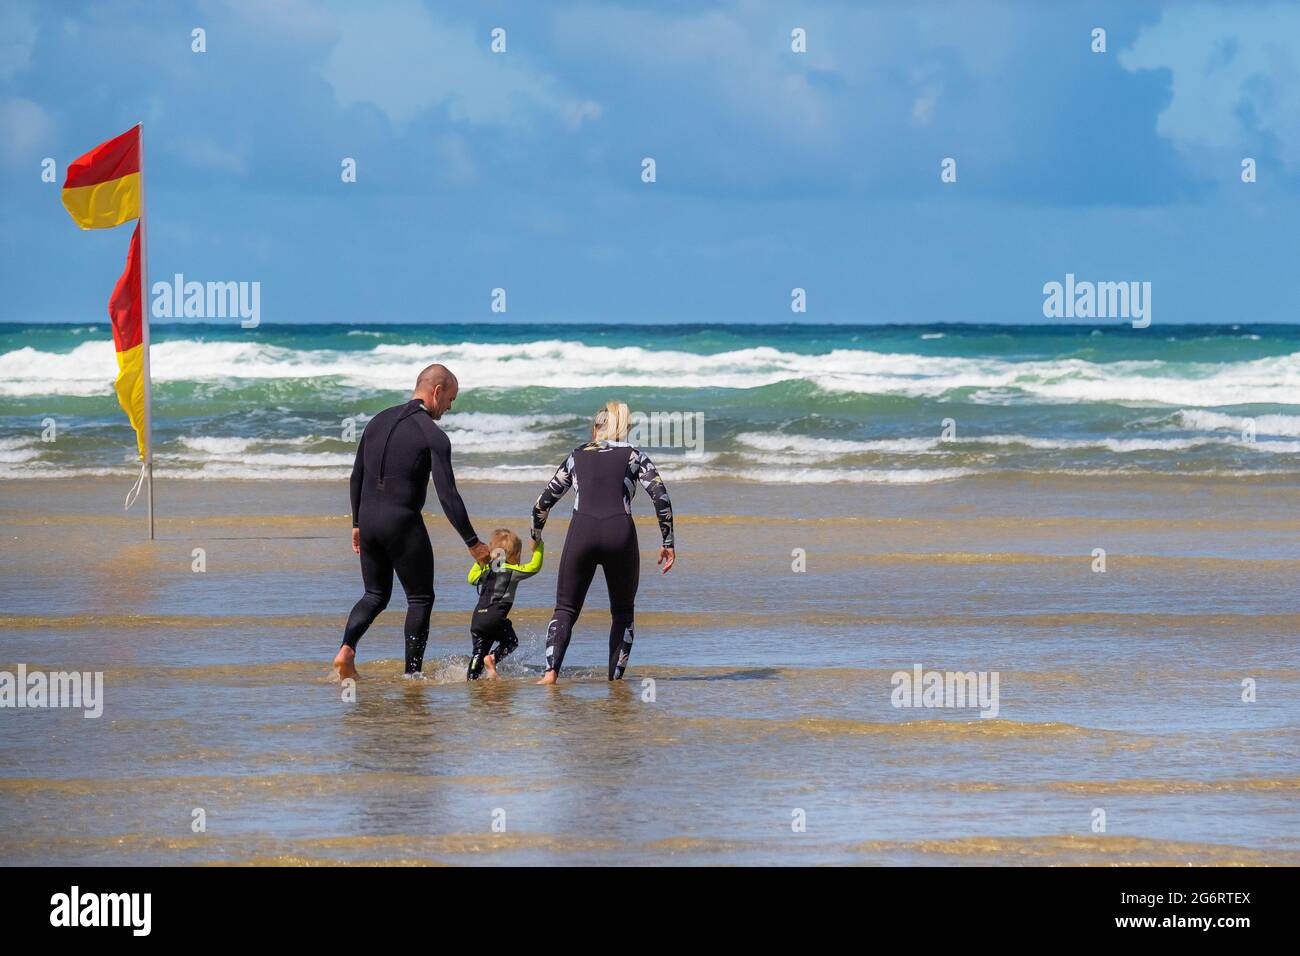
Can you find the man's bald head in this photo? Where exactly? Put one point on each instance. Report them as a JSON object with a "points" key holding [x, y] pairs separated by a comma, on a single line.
{"points": [[433, 375], [437, 388]]}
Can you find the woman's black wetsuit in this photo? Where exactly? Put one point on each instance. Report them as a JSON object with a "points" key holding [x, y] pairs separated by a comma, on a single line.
{"points": [[399, 449], [604, 476]]}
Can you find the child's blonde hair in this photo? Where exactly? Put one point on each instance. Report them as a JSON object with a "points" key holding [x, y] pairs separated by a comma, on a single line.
{"points": [[611, 422], [507, 542]]}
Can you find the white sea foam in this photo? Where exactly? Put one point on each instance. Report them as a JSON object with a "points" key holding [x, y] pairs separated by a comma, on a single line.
{"points": [[498, 422], [44, 469], [1274, 447], [822, 476], [267, 466], [89, 369], [213, 445], [218, 446], [1118, 445], [833, 447], [804, 448], [17, 450], [17, 455], [471, 433], [285, 467], [266, 459], [536, 474], [479, 432], [1199, 420]]}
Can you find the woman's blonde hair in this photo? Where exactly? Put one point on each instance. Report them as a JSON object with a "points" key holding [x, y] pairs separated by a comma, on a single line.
{"points": [[611, 422], [507, 543]]}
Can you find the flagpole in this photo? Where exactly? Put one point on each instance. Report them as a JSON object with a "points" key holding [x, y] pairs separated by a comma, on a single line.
{"points": [[144, 336]]}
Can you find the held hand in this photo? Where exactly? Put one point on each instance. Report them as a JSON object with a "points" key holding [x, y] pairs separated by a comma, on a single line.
{"points": [[666, 557], [356, 540], [481, 553]]}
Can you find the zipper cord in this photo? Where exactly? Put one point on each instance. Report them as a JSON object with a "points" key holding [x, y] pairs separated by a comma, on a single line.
{"points": [[416, 406]]}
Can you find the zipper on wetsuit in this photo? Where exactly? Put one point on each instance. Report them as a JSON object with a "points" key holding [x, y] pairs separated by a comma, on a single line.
{"points": [[383, 454]]}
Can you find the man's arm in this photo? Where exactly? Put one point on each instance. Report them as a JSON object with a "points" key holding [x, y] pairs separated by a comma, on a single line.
{"points": [[444, 482], [358, 477]]}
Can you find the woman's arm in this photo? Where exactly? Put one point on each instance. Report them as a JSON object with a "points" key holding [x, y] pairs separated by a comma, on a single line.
{"points": [[553, 492], [644, 470]]}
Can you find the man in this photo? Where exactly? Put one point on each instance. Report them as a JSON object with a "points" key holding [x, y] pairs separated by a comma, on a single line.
{"points": [[399, 449]]}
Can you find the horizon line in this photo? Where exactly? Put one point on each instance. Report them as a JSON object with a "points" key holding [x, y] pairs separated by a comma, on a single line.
{"points": [[590, 323]]}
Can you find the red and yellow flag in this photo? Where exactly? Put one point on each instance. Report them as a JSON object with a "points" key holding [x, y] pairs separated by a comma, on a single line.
{"points": [[124, 308], [103, 190], [103, 186]]}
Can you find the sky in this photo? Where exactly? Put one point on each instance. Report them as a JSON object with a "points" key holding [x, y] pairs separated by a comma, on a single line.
{"points": [[774, 169]]}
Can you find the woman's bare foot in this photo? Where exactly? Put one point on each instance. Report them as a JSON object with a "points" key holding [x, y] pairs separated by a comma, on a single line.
{"points": [[345, 662], [550, 677], [490, 666]]}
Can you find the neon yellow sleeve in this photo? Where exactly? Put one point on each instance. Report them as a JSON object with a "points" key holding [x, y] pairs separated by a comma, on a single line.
{"points": [[534, 563], [475, 573]]}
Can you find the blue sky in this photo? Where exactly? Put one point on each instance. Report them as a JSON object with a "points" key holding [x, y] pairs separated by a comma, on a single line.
{"points": [[522, 170]]}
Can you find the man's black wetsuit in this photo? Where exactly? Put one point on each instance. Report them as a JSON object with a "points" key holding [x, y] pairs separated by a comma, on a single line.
{"points": [[604, 476], [399, 449]]}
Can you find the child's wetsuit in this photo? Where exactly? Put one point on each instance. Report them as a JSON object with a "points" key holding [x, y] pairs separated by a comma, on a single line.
{"points": [[496, 585]]}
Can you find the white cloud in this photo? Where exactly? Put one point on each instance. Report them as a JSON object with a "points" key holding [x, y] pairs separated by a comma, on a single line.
{"points": [[872, 73], [455, 163], [1233, 68], [17, 37], [404, 60], [738, 64], [293, 19], [206, 153], [24, 129]]}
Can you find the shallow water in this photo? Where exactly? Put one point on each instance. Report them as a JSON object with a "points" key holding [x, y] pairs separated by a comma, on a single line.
{"points": [[772, 688]]}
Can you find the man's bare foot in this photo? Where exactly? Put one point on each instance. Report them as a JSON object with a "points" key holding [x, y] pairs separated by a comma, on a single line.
{"points": [[345, 662], [550, 677], [490, 666]]}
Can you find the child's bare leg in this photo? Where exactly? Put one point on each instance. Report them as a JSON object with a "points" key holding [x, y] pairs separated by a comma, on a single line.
{"points": [[505, 645]]}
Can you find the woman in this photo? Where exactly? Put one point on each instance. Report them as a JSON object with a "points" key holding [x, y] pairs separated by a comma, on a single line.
{"points": [[604, 474]]}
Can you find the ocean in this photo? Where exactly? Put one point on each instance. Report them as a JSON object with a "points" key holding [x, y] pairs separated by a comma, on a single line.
{"points": [[790, 404], [1106, 521]]}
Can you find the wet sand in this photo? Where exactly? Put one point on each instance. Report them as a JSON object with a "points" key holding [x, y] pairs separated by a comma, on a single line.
{"points": [[1119, 691]]}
